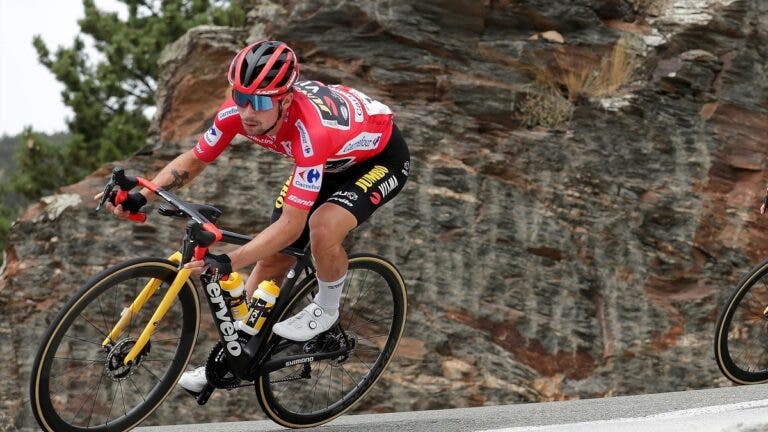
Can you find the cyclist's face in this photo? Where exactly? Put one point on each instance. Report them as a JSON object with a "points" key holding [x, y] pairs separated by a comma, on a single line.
{"points": [[257, 122]]}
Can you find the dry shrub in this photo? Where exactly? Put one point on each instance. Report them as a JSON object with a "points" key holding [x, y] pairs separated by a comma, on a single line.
{"points": [[545, 107], [579, 78]]}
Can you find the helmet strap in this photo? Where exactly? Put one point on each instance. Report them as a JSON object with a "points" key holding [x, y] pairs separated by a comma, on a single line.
{"points": [[279, 117]]}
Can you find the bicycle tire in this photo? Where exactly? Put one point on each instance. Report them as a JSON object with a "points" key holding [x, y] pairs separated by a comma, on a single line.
{"points": [[70, 358], [741, 332], [282, 401]]}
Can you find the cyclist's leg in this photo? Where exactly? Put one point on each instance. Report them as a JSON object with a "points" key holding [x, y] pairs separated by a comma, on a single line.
{"points": [[274, 267], [328, 227], [363, 190]]}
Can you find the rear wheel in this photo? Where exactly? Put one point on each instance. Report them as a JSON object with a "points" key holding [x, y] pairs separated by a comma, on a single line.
{"points": [[372, 319], [78, 385], [741, 335]]}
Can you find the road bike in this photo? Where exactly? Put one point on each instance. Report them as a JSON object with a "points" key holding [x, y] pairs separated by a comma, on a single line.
{"points": [[741, 333], [116, 350]]}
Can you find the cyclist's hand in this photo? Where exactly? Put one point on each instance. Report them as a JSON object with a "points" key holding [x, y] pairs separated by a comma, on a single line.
{"points": [[211, 263], [131, 205]]}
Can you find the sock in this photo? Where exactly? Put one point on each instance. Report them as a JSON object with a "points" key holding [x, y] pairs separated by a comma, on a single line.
{"points": [[329, 295]]}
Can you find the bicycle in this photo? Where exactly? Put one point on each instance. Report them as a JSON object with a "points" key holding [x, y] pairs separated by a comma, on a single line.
{"points": [[741, 333], [95, 371]]}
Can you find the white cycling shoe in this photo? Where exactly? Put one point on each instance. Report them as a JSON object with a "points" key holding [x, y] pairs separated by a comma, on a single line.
{"points": [[193, 381], [305, 325]]}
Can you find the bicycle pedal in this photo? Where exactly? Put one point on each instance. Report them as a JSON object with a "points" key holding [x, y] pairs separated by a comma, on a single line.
{"points": [[204, 395]]}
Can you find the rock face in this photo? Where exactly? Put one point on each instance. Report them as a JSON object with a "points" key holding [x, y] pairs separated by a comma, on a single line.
{"points": [[586, 260]]}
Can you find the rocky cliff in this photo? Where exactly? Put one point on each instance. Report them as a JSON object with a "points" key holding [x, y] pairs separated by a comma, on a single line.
{"points": [[584, 188]]}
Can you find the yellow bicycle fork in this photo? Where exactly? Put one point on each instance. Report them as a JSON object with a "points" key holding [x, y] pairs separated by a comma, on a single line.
{"points": [[128, 313]]}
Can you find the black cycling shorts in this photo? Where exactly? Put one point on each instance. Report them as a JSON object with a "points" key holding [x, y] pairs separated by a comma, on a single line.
{"points": [[361, 189]]}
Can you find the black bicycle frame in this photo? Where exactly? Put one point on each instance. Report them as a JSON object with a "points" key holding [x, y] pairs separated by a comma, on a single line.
{"points": [[241, 357]]}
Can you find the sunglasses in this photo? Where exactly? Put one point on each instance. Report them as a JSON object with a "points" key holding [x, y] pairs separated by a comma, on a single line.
{"points": [[258, 102]]}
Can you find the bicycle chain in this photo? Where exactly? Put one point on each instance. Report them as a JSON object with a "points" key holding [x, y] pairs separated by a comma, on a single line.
{"points": [[304, 374]]}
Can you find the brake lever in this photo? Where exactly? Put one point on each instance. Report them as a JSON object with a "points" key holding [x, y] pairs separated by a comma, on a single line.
{"points": [[107, 192]]}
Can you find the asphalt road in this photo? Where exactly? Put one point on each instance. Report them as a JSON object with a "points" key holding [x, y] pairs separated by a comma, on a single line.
{"points": [[729, 409]]}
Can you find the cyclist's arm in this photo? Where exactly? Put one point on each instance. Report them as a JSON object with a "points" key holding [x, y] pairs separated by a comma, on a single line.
{"points": [[276, 237], [177, 173]]}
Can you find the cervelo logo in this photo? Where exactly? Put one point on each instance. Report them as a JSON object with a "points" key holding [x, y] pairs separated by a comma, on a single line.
{"points": [[308, 178], [299, 201], [306, 144], [229, 112], [212, 136], [377, 173], [364, 141], [226, 328]]}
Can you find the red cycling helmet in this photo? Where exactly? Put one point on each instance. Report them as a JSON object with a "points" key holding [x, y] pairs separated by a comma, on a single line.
{"points": [[265, 68]]}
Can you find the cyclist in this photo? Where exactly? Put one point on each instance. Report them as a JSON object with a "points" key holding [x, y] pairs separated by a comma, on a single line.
{"points": [[350, 159]]}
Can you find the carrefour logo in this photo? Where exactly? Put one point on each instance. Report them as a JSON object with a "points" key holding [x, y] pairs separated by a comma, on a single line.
{"points": [[365, 141], [313, 175], [308, 178]]}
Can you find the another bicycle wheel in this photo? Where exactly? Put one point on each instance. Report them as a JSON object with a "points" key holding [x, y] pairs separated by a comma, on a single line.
{"points": [[741, 334], [372, 319], [78, 385]]}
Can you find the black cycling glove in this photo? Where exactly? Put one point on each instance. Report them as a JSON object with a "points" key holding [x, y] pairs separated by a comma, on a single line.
{"points": [[133, 203], [218, 263]]}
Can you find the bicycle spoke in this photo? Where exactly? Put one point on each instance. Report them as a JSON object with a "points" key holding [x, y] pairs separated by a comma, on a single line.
{"points": [[93, 325], [97, 343]]}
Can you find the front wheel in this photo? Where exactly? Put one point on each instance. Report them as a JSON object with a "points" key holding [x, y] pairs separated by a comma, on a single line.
{"points": [[741, 334], [371, 322], [79, 385]]}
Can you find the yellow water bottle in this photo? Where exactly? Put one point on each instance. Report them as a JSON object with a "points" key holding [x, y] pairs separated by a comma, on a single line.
{"points": [[234, 296], [261, 304]]}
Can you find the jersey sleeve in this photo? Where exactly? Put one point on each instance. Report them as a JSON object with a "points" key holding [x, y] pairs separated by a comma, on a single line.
{"points": [[310, 153], [305, 186], [225, 126]]}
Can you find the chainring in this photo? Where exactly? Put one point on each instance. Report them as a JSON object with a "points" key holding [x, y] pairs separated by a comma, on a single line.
{"points": [[216, 371]]}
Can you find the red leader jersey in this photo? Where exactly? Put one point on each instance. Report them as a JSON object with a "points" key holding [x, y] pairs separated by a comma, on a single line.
{"points": [[327, 129]]}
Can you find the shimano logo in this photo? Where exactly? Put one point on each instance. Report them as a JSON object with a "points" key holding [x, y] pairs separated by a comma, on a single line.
{"points": [[299, 361], [226, 327]]}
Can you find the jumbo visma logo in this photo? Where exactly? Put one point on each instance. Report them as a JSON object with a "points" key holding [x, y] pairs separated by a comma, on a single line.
{"points": [[370, 178]]}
